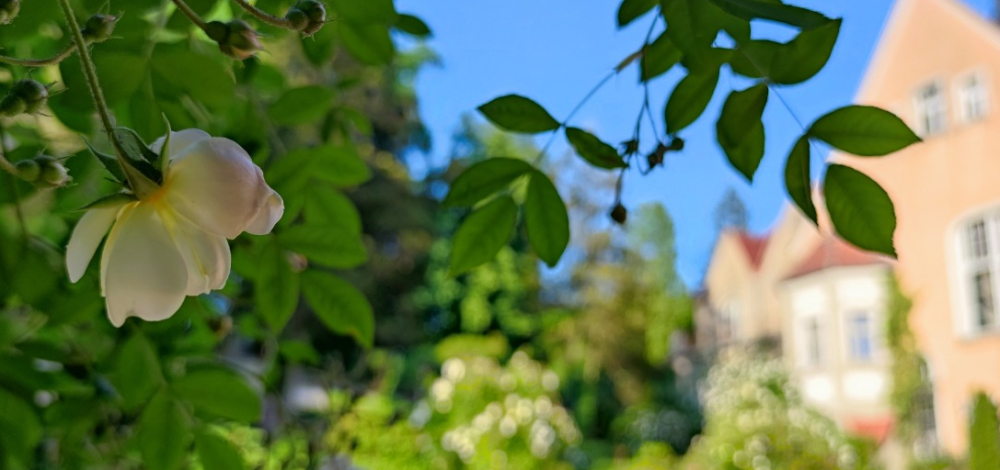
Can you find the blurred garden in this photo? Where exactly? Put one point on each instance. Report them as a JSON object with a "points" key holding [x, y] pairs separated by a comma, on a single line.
{"points": [[378, 320]]}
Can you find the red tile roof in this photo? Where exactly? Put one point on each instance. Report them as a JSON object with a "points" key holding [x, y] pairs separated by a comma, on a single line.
{"points": [[754, 247], [876, 428], [834, 252]]}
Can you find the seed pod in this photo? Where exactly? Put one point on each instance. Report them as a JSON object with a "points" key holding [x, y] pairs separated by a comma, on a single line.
{"points": [[9, 10], [28, 170], [236, 38], [53, 173], [99, 27], [619, 214]]}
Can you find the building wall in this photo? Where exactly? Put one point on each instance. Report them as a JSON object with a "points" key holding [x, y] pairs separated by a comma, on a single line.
{"points": [[843, 388], [934, 183]]}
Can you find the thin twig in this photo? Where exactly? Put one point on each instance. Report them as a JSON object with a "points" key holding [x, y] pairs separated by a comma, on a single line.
{"points": [[13, 187], [62, 55], [264, 16], [184, 8], [572, 113]]}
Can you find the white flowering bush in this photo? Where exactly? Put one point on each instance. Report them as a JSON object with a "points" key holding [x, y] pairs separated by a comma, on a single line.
{"points": [[488, 415], [755, 420]]}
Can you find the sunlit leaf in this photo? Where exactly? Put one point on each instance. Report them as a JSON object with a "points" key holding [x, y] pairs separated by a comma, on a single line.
{"points": [[545, 219], [482, 234], [860, 209], [484, 179], [137, 373], [276, 287], [340, 306], [798, 178], [689, 100], [164, 433], [20, 430], [369, 11], [863, 130], [214, 451], [516, 113], [219, 392], [332, 245], [593, 150], [303, 105]]}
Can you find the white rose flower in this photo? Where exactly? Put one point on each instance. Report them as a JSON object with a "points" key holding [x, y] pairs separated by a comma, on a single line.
{"points": [[172, 243]]}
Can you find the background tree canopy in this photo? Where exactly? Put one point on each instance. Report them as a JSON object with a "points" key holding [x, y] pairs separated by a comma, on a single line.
{"points": [[387, 321]]}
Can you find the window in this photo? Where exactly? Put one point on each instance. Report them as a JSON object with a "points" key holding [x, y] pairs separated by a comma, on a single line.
{"points": [[973, 100], [931, 109], [729, 323], [979, 261], [813, 342], [859, 336]]}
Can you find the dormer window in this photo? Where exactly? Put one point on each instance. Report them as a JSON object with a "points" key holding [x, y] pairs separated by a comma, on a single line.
{"points": [[973, 99], [931, 109]]}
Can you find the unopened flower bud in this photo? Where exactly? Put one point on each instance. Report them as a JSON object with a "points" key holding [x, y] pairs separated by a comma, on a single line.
{"points": [[26, 96], [307, 16], [677, 144], [53, 173], [9, 10], [99, 27], [236, 38], [619, 214], [28, 170]]}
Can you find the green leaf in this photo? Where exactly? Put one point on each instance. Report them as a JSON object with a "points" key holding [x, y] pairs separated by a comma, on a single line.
{"points": [[164, 433], [216, 452], [798, 178], [773, 11], [860, 209], [746, 155], [109, 161], [413, 26], [340, 306], [299, 352], [340, 165], [693, 25], [740, 131], [303, 105], [658, 57], [276, 287], [20, 431], [516, 113], [219, 392], [369, 11], [370, 43], [689, 99], [545, 219], [482, 234], [137, 373], [484, 179], [803, 57], [327, 206], [332, 245], [214, 86], [630, 10], [867, 131], [593, 150]]}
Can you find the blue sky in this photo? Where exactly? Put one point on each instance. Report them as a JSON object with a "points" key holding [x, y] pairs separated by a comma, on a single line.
{"points": [[554, 51]]}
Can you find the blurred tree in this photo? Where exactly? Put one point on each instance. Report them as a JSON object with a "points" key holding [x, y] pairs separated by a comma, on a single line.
{"points": [[731, 212], [984, 434]]}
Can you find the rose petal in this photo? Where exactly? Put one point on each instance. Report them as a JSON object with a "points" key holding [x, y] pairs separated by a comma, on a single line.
{"points": [[87, 235], [268, 216], [215, 185], [180, 141], [144, 274], [206, 256]]}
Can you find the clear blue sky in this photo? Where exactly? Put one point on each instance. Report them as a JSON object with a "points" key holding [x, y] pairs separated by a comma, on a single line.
{"points": [[554, 51]]}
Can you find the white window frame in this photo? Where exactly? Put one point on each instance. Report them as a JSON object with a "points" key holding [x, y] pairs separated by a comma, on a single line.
{"points": [[964, 267], [920, 108], [963, 95], [806, 343], [729, 319]]}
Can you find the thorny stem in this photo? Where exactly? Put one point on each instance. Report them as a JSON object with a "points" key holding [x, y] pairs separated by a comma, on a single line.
{"points": [[62, 55], [90, 72], [184, 8], [264, 16]]}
